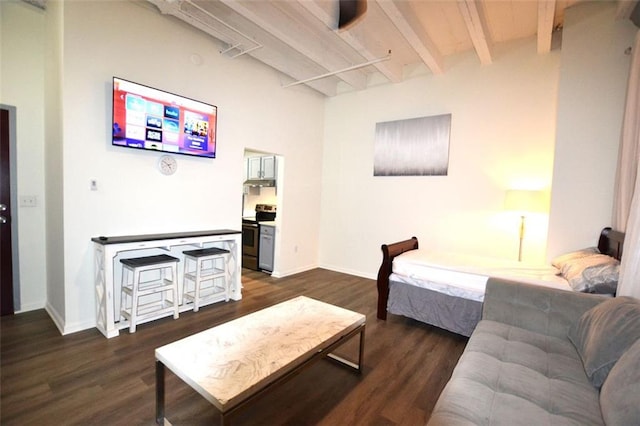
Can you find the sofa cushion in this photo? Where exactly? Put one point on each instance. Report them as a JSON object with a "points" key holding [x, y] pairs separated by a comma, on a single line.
{"points": [[509, 375], [620, 394], [604, 333]]}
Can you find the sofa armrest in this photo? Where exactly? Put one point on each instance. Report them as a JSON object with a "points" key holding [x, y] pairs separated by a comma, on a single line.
{"points": [[544, 310]]}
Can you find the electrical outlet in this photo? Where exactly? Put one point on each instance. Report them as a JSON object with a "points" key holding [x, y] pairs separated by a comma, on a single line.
{"points": [[28, 201]]}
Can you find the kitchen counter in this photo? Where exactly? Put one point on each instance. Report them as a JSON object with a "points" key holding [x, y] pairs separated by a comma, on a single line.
{"points": [[164, 236]]}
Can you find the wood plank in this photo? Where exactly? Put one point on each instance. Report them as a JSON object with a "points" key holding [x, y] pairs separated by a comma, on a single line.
{"points": [[83, 378], [276, 18], [546, 16], [220, 22], [404, 18], [369, 49], [475, 22]]}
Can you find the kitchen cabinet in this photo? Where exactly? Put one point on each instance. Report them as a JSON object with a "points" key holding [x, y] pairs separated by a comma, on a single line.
{"points": [[261, 167], [266, 247]]}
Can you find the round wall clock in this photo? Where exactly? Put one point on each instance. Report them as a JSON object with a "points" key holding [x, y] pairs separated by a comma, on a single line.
{"points": [[167, 165]]}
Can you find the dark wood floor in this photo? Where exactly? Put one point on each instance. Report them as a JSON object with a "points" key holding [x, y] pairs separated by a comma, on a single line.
{"points": [[86, 379]]}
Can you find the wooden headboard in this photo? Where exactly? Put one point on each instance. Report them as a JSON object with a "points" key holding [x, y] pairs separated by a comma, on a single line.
{"points": [[611, 242]]}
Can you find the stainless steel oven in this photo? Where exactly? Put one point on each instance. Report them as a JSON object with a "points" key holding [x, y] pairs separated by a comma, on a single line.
{"points": [[251, 234], [250, 240]]}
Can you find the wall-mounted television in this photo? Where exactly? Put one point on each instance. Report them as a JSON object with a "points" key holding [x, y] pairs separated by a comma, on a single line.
{"points": [[152, 119]]}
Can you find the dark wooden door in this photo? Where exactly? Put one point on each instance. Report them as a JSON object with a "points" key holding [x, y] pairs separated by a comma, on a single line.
{"points": [[6, 271]]}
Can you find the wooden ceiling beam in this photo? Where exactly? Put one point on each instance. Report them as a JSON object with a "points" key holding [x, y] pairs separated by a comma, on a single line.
{"points": [[546, 15], [296, 69], [390, 69], [276, 23], [404, 18], [477, 27]]}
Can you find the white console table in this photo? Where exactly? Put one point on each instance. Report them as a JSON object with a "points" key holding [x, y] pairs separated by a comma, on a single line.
{"points": [[107, 252]]}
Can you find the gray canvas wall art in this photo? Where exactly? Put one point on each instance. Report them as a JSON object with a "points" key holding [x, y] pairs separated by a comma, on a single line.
{"points": [[412, 147]]}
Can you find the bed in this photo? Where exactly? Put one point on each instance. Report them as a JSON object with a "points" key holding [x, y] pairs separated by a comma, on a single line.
{"points": [[447, 290]]}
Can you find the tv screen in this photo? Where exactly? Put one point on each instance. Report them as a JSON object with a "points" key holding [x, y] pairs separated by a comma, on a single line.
{"points": [[148, 118]]}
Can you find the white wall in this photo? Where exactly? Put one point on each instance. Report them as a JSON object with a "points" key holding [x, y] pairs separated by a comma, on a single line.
{"points": [[593, 80], [132, 40], [22, 86], [502, 136], [54, 163]]}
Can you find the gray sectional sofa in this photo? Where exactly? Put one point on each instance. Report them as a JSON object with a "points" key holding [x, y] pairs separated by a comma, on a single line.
{"points": [[542, 356]]}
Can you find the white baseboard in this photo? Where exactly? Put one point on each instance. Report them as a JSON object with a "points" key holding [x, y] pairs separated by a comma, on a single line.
{"points": [[282, 274], [65, 328], [350, 272], [31, 306], [55, 317], [79, 326]]}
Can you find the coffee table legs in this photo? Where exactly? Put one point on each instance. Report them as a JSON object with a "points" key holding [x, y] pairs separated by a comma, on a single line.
{"points": [[326, 352], [159, 393], [346, 362]]}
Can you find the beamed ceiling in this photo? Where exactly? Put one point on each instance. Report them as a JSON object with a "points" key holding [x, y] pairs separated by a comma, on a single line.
{"points": [[392, 40]]}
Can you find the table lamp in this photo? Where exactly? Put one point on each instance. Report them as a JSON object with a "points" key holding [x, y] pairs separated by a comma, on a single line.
{"points": [[525, 201]]}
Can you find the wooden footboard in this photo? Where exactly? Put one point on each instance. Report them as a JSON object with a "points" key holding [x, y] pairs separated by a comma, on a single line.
{"points": [[389, 252]]}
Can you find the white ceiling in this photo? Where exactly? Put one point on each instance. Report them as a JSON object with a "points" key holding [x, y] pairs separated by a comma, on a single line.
{"points": [[397, 38]]}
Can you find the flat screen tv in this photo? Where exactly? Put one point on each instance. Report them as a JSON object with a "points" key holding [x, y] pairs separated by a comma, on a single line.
{"points": [[152, 119]]}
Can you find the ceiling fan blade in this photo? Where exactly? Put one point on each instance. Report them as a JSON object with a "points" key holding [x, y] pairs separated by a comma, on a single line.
{"points": [[349, 11]]}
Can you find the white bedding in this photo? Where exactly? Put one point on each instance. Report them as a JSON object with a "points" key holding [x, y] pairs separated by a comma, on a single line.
{"points": [[466, 276]]}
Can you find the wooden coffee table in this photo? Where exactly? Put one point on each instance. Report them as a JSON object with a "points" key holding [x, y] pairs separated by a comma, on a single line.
{"points": [[236, 361]]}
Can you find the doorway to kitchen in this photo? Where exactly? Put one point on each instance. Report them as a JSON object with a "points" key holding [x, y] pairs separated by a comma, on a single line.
{"points": [[261, 209]]}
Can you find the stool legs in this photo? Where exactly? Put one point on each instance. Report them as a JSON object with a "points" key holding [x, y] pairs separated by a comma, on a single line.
{"points": [[146, 300], [133, 321], [200, 274], [198, 282], [123, 294], [174, 290], [137, 289]]}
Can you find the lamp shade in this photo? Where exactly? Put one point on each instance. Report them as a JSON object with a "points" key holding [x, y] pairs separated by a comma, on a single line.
{"points": [[526, 201]]}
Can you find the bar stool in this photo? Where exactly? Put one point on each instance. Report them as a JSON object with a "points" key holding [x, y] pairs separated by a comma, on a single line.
{"points": [[137, 289], [211, 268]]}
